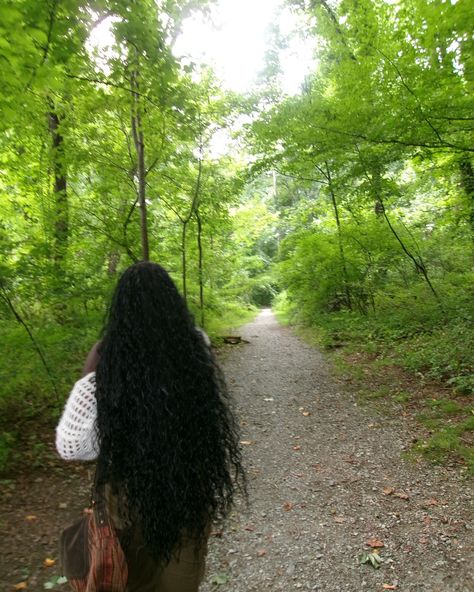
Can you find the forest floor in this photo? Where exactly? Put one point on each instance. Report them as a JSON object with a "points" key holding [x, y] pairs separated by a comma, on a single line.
{"points": [[329, 485]]}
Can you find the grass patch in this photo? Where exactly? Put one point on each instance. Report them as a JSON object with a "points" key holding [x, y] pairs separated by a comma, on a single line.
{"points": [[402, 397], [448, 440], [371, 394]]}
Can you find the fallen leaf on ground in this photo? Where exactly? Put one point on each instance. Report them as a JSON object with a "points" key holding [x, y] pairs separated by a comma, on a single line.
{"points": [[246, 442], [389, 586], [388, 490], [249, 527], [402, 495], [216, 533], [49, 562], [287, 506], [372, 559], [31, 517], [21, 586], [306, 413], [261, 552], [296, 448], [219, 579], [54, 581], [375, 543]]}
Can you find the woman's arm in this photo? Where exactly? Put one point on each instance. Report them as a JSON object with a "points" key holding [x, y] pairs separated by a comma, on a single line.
{"points": [[92, 359], [76, 434]]}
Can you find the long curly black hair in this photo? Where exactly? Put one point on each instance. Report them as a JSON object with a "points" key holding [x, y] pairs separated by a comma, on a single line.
{"points": [[169, 442]]}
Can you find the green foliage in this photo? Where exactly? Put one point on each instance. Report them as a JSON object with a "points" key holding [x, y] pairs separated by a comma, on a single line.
{"points": [[358, 206], [375, 186], [69, 188]]}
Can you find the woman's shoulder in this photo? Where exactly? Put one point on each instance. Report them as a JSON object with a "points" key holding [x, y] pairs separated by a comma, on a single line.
{"points": [[85, 385], [92, 359], [204, 335]]}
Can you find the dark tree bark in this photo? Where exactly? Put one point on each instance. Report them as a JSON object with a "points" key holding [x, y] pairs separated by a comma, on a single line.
{"points": [[113, 261], [185, 222], [417, 260], [200, 266], [467, 181], [139, 142], [61, 205], [345, 275]]}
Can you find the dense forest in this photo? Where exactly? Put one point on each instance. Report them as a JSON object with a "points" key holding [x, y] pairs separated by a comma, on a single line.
{"points": [[349, 207]]}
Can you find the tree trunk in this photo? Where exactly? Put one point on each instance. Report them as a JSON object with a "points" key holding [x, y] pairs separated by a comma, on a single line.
{"points": [[467, 181], [345, 276], [61, 205], [113, 260], [184, 260], [419, 263], [185, 222], [200, 267], [139, 141]]}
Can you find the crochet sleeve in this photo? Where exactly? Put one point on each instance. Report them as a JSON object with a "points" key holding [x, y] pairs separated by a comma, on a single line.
{"points": [[204, 336], [76, 434]]}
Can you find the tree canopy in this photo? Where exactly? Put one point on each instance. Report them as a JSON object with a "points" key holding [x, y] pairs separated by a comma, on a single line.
{"points": [[349, 205]]}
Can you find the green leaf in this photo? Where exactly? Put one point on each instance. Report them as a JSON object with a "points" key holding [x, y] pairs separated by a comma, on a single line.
{"points": [[220, 578], [373, 559], [54, 581]]}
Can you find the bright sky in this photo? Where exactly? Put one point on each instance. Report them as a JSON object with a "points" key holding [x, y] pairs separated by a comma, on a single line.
{"points": [[236, 39]]}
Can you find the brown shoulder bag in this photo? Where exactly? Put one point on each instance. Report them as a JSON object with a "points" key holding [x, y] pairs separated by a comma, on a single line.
{"points": [[91, 556]]}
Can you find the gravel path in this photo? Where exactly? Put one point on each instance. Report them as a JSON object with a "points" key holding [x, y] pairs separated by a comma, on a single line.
{"points": [[327, 476]]}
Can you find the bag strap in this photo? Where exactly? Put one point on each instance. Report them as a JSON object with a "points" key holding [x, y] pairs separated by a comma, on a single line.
{"points": [[98, 501]]}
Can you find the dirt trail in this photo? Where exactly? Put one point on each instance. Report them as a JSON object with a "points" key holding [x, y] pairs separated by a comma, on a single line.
{"points": [[325, 477], [323, 484]]}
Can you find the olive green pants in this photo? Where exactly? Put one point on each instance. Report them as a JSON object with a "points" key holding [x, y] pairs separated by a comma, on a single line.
{"points": [[183, 573]]}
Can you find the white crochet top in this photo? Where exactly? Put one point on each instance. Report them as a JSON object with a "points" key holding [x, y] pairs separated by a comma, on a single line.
{"points": [[76, 434]]}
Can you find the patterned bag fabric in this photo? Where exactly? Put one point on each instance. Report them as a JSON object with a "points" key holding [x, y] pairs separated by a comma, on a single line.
{"points": [[91, 556]]}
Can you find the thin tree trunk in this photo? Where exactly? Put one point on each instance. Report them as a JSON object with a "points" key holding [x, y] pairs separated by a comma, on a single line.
{"points": [[419, 264], [185, 222], [61, 205], [6, 298], [376, 181], [467, 182], [200, 267], [139, 141], [184, 260], [339, 238]]}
